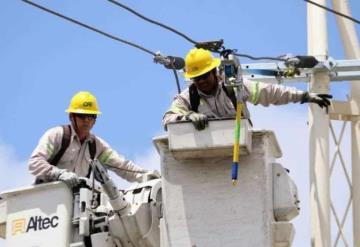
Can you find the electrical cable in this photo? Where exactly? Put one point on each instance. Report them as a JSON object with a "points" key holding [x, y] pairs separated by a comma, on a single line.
{"points": [[260, 58], [185, 36], [177, 81], [138, 46], [152, 21], [89, 27], [333, 11], [169, 62]]}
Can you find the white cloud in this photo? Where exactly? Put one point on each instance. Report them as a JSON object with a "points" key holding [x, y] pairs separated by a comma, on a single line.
{"points": [[14, 172]]}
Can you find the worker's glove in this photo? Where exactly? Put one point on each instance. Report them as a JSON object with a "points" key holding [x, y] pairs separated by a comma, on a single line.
{"points": [[199, 120], [69, 178], [321, 99]]}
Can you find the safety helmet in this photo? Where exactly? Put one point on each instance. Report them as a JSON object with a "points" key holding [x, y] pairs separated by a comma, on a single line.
{"points": [[83, 103], [198, 62]]}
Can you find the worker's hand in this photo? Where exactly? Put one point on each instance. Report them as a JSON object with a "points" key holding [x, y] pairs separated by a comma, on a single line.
{"points": [[321, 99], [70, 178], [199, 120]]}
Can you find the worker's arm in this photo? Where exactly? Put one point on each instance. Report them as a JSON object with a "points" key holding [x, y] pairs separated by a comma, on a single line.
{"points": [[49, 144], [117, 163], [266, 93]]}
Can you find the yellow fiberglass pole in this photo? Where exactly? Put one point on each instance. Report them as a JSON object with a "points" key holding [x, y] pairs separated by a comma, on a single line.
{"points": [[236, 151]]}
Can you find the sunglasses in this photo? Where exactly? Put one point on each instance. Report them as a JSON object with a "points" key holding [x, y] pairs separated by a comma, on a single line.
{"points": [[86, 116], [202, 77]]}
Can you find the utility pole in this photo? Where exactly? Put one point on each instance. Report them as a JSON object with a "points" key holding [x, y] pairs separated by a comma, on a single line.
{"points": [[319, 131], [352, 51]]}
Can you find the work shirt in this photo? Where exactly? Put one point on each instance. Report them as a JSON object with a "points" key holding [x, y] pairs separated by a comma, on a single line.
{"points": [[219, 105], [76, 157]]}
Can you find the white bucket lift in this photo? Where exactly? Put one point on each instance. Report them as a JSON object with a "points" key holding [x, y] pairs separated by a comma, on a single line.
{"points": [[37, 215], [202, 208], [52, 214]]}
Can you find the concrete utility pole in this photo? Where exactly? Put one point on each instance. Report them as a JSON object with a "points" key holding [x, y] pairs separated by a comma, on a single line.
{"points": [[319, 131], [352, 51]]}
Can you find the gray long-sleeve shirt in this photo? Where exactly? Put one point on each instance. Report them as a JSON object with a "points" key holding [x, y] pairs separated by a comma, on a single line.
{"points": [[76, 158], [219, 105]]}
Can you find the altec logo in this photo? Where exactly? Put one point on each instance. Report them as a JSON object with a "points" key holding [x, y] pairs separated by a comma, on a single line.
{"points": [[18, 226], [36, 223]]}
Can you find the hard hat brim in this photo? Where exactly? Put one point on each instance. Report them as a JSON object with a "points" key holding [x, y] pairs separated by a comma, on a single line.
{"points": [[215, 63], [81, 111]]}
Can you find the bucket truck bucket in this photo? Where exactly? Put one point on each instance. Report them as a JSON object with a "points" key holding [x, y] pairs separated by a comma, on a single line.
{"points": [[37, 215]]}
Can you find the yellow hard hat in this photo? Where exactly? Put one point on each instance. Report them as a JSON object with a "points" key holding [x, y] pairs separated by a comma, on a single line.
{"points": [[83, 103], [198, 62]]}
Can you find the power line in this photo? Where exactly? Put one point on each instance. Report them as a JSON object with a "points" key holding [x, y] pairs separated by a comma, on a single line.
{"points": [[153, 21], [260, 58], [185, 36], [90, 27], [171, 65], [334, 11]]}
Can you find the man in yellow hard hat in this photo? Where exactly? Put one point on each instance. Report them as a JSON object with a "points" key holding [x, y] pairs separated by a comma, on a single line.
{"points": [[64, 153], [207, 97]]}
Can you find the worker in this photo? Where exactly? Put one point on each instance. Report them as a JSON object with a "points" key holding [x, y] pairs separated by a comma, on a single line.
{"points": [[51, 161], [208, 98]]}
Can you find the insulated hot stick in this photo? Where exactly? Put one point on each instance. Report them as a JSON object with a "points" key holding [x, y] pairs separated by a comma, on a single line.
{"points": [[233, 78]]}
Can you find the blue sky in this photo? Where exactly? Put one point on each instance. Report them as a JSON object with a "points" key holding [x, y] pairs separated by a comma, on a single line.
{"points": [[44, 60]]}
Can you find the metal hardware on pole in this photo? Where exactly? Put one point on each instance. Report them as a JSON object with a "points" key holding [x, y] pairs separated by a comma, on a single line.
{"points": [[338, 70]]}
